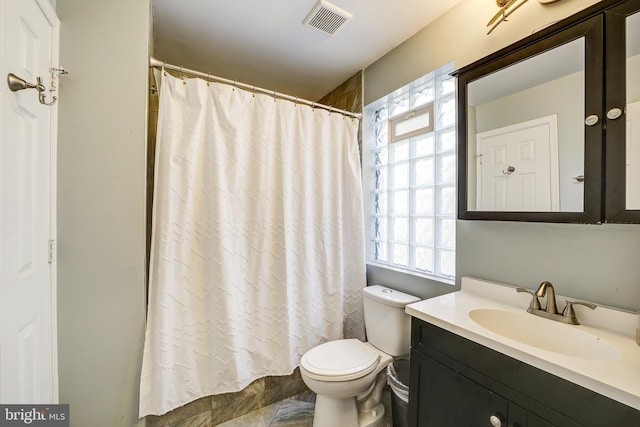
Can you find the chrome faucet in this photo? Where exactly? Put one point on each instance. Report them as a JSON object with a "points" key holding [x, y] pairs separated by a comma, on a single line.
{"points": [[551, 310]]}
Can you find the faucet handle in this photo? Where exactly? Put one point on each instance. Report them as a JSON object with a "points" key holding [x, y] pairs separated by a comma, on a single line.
{"points": [[570, 312], [535, 302]]}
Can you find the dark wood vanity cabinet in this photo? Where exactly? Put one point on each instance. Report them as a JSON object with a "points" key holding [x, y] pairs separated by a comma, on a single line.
{"points": [[452, 399], [457, 382]]}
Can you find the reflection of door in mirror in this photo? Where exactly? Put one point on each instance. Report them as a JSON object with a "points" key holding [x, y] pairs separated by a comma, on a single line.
{"points": [[549, 84], [633, 112], [518, 167]]}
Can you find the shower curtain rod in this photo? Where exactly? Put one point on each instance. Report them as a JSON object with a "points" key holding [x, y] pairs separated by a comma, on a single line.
{"points": [[156, 63]]}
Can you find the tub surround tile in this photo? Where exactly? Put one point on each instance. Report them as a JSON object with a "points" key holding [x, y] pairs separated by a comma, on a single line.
{"points": [[284, 391], [201, 420], [185, 412], [347, 96], [232, 405], [259, 418], [224, 407]]}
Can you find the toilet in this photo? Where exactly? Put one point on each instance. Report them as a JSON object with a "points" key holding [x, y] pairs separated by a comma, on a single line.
{"points": [[348, 375]]}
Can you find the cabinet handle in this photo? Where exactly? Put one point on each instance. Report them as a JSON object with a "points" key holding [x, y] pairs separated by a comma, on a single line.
{"points": [[614, 113], [591, 120], [495, 420]]}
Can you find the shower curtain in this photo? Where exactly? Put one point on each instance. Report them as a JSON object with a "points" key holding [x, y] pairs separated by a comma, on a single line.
{"points": [[257, 243]]}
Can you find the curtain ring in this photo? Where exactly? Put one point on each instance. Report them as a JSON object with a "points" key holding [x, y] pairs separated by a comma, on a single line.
{"points": [[208, 79], [295, 102], [182, 75], [254, 91], [274, 96], [235, 82], [164, 72]]}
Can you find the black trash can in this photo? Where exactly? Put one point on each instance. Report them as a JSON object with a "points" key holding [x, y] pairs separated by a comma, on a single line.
{"points": [[398, 379]]}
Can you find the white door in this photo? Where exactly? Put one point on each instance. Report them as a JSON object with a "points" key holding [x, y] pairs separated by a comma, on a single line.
{"points": [[518, 167], [28, 361], [633, 156]]}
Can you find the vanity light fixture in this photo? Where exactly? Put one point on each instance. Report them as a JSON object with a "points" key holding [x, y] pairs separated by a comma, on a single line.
{"points": [[507, 7]]}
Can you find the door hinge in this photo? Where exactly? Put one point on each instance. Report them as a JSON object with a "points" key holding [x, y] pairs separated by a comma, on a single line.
{"points": [[51, 250]]}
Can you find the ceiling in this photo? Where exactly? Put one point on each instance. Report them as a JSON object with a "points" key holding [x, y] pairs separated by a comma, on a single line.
{"points": [[264, 43]]}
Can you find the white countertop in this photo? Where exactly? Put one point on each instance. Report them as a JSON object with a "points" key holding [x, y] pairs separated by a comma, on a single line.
{"points": [[618, 379]]}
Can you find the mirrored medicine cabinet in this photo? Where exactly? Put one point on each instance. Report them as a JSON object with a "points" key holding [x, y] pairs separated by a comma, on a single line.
{"points": [[549, 127]]}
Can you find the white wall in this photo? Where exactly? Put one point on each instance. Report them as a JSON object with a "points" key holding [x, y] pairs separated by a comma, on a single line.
{"points": [[459, 35], [591, 262], [101, 208]]}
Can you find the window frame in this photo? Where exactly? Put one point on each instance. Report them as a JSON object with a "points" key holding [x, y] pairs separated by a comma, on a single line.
{"points": [[404, 117], [373, 193]]}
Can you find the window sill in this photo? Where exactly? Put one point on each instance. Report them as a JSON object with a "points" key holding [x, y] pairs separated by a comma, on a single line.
{"points": [[416, 273]]}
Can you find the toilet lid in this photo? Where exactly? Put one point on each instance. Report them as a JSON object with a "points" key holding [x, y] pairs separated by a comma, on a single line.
{"points": [[340, 360]]}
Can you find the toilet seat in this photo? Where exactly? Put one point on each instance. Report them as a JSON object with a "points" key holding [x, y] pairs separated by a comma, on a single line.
{"points": [[340, 360]]}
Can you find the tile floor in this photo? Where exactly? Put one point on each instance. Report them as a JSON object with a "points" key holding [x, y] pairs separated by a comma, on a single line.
{"points": [[296, 411]]}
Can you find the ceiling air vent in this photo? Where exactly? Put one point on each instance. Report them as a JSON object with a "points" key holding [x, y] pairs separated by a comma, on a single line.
{"points": [[326, 17]]}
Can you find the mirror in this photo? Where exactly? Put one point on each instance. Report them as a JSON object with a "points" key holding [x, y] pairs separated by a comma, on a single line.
{"points": [[526, 134], [530, 127], [633, 112], [549, 127]]}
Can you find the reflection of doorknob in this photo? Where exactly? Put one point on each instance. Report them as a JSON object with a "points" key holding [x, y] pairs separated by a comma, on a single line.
{"points": [[509, 170]]}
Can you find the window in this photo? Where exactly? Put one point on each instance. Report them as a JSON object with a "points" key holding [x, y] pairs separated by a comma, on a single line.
{"points": [[409, 168]]}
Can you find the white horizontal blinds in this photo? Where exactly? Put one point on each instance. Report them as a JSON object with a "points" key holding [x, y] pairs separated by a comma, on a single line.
{"points": [[412, 166]]}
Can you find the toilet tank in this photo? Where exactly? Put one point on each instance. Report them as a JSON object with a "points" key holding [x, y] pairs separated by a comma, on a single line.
{"points": [[388, 326]]}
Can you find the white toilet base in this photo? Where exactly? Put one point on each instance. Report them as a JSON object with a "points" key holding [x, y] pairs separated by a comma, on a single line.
{"points": [[335, 412]]}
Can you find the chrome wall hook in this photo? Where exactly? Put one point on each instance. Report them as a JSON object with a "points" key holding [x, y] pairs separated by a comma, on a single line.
{"points": [[16, 83]]}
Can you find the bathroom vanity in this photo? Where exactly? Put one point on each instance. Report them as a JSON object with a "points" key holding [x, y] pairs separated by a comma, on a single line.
{"points": [[467, 372]]}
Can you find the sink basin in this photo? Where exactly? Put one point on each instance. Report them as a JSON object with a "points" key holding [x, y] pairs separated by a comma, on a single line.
{"points": [[544, 334]]}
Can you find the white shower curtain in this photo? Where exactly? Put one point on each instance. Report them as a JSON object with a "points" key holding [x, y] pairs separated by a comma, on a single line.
{"points": [[257, 244]]}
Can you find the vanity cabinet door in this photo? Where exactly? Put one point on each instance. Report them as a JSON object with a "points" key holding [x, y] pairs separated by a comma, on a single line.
{"points": [[622, 106], [519, 417], [446, 398]]}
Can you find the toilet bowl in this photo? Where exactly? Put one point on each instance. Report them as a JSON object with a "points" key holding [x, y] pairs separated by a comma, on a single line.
{"points": [[348, 375]]}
